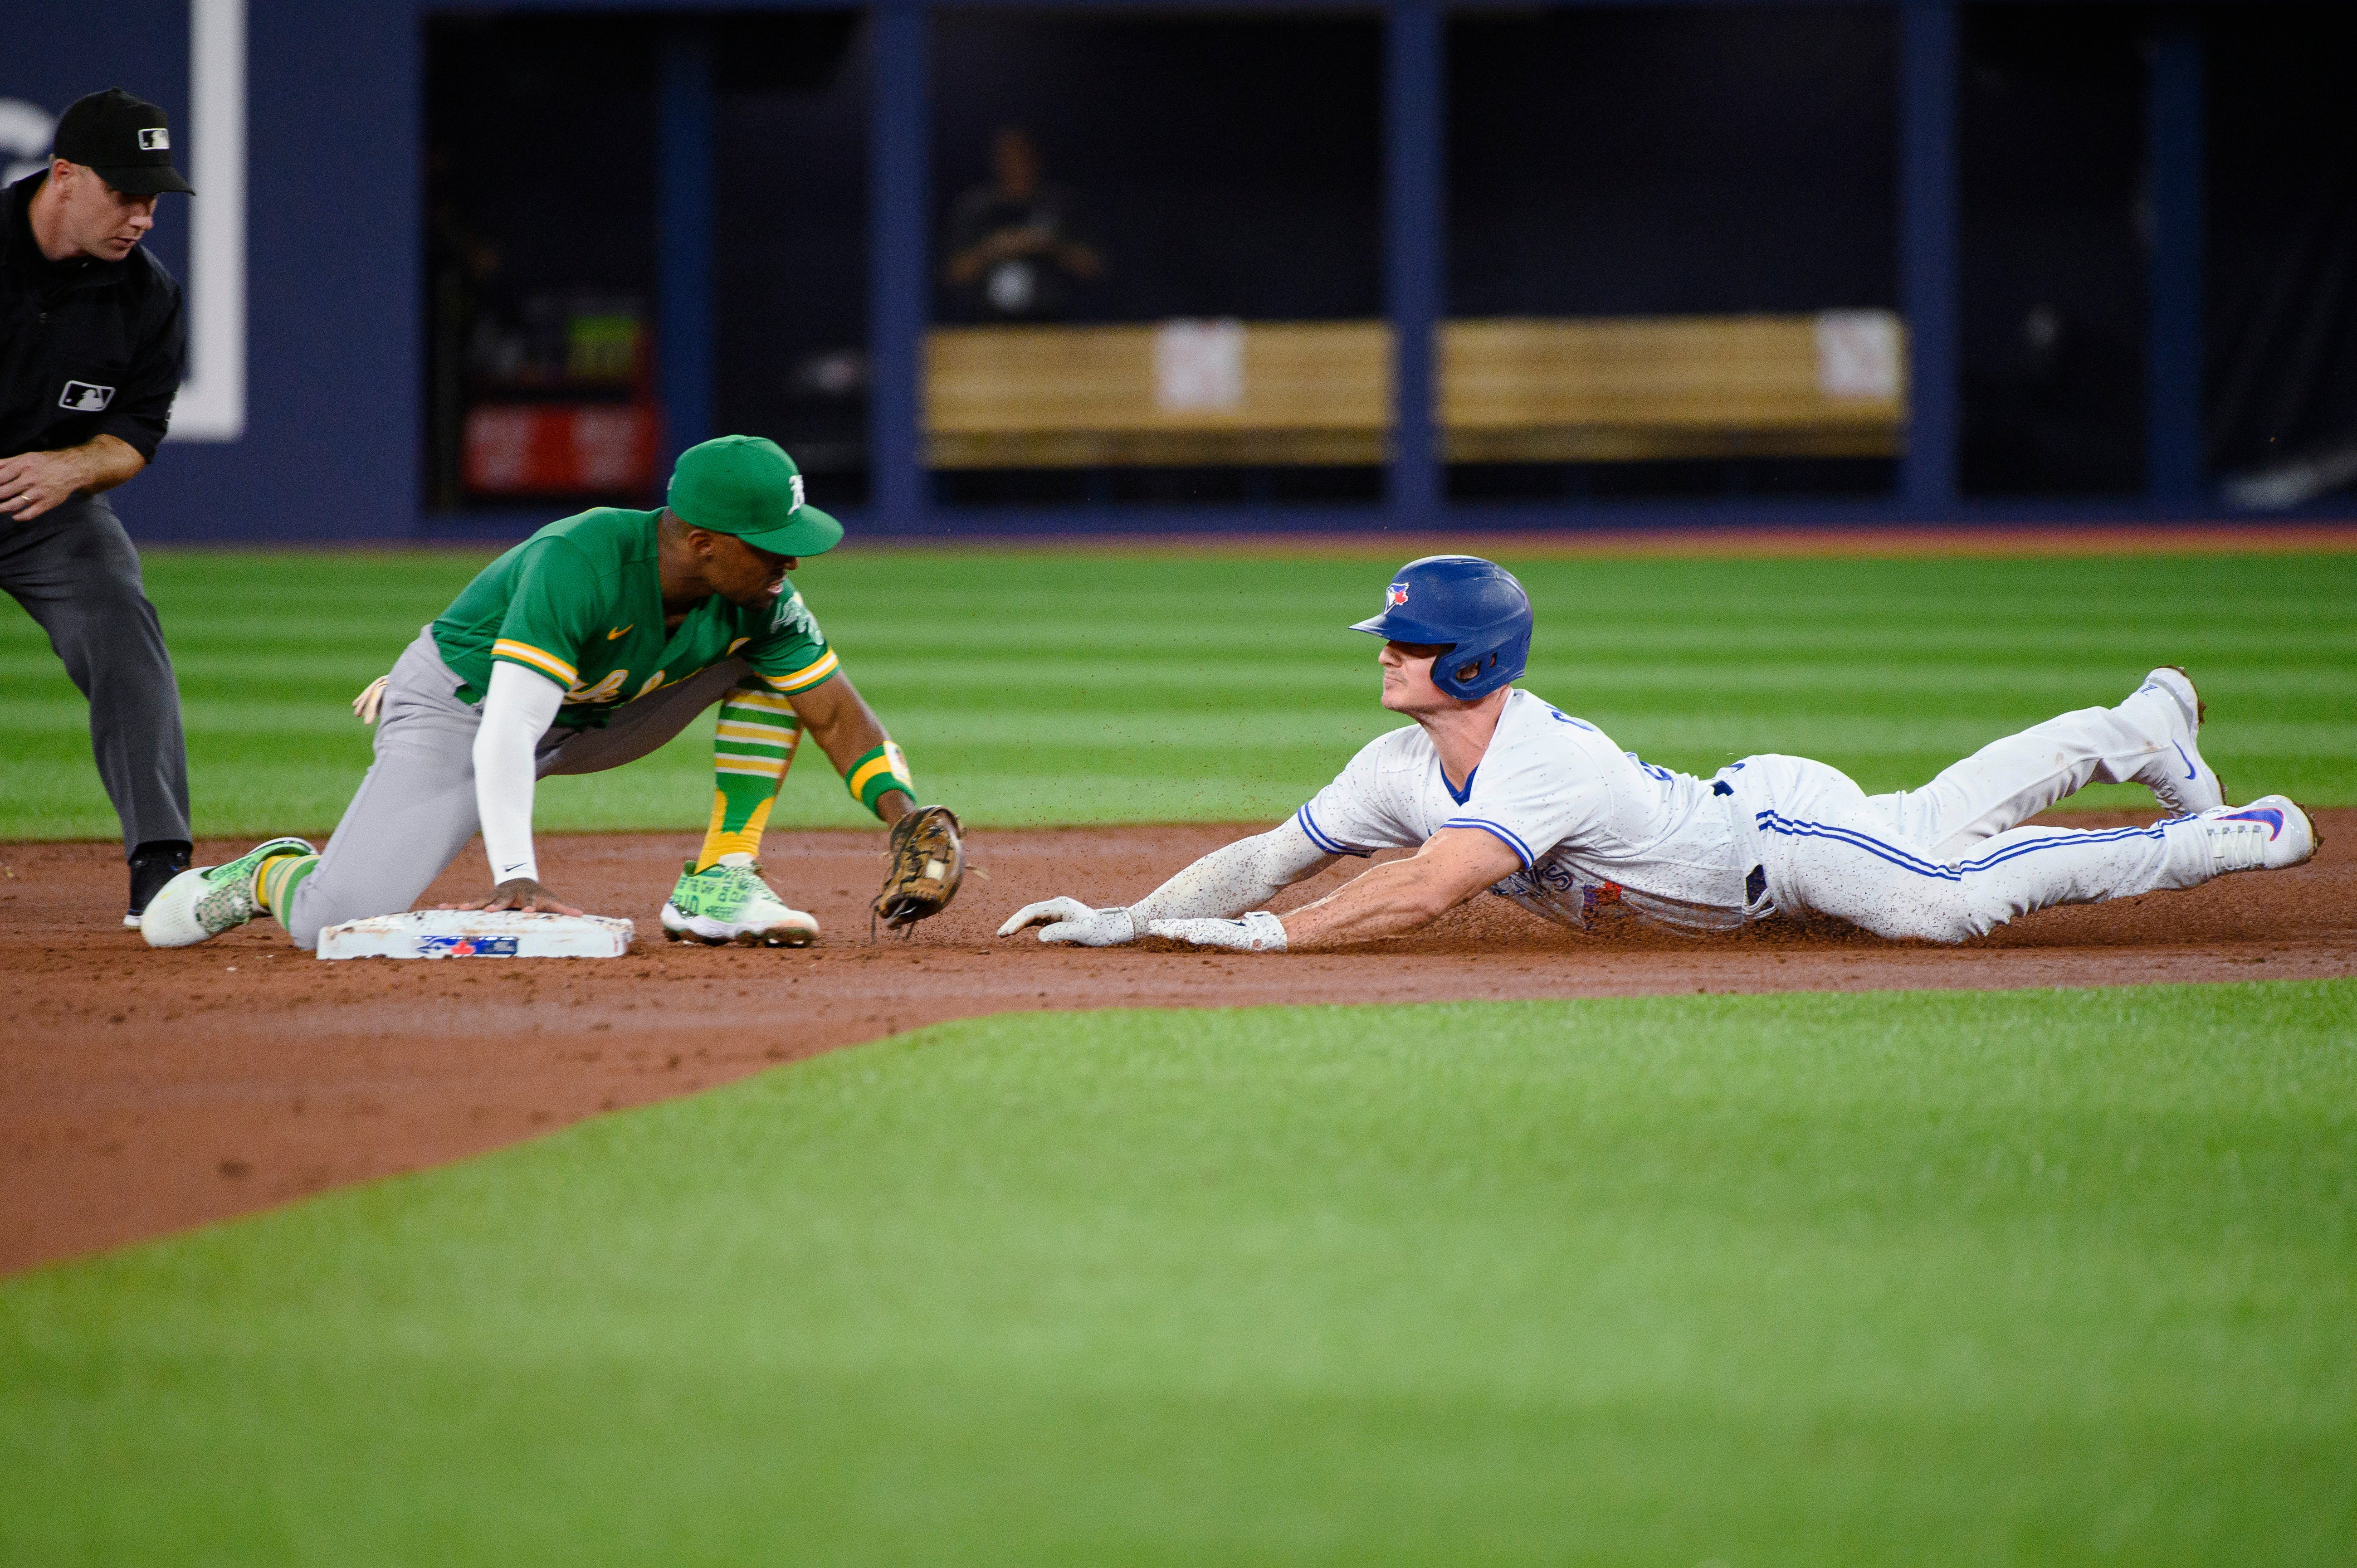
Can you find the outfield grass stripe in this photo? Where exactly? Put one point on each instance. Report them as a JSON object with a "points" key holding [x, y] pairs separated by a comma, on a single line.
{"points": [[1095, 687], [1953, 1277]]}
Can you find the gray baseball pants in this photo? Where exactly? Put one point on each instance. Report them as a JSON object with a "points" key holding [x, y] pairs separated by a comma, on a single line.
{"points": [[75, 571], [415, 809]]}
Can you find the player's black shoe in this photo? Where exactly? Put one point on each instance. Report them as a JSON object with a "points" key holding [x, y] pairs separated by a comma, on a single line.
{"points": [[152, 865]]}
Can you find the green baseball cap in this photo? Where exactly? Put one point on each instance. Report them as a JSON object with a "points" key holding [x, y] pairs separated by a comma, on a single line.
{"points": [[746, 485]]}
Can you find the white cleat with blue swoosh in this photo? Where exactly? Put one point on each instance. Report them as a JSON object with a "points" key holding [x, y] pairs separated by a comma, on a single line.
{"points": [[2184, 784], [2266, 836]]}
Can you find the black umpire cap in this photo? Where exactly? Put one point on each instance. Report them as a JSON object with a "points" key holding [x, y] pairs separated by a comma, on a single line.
{"points": [[127, 140]]}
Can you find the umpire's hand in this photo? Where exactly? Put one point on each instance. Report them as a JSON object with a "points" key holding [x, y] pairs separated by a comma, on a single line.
{"points": [[521, 893], [33, 482]]}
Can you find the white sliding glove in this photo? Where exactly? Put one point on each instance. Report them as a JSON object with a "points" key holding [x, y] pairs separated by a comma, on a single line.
{"points": [[1069, 921], [1259, 932]]}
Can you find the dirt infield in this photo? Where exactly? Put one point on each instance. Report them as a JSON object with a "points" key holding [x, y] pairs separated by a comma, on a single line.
{"points": [[145, 1091]]}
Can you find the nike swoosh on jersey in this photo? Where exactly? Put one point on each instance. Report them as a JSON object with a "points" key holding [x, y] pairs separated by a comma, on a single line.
{"points": [[620, 631], [2191, 771]]}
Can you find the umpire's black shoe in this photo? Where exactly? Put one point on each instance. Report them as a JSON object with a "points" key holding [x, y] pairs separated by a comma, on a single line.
{"points": [[152, 865]]}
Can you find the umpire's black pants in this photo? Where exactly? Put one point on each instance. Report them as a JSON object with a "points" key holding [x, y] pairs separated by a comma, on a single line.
{"points": [[75, 571]]}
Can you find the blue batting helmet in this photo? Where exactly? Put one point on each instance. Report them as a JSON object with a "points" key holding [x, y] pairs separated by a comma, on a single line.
{"points": [[1472, 606]]}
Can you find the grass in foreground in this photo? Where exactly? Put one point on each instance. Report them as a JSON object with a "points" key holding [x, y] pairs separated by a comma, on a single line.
{"points": [[1038, 686], [1933, 1277]]}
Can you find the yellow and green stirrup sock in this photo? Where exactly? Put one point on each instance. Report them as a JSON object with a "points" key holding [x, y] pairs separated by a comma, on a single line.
{"points": [[275, 879], [751, 749]]}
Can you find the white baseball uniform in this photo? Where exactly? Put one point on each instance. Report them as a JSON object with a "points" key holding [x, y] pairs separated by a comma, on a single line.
{"points": [[1601, 833]]}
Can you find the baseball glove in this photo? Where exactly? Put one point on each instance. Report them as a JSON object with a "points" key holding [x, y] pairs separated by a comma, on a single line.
{"points": [[928, 863]]}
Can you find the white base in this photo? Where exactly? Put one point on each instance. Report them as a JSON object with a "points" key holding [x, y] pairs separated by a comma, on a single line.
{"points": [[473, 933]]}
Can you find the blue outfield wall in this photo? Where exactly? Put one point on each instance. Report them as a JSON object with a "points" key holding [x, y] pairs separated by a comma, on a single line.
{"points": [[332, 104], [332, 444]]}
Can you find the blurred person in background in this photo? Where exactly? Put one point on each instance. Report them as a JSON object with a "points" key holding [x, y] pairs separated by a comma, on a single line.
{"points": [[93, 342], [1016, 252]]}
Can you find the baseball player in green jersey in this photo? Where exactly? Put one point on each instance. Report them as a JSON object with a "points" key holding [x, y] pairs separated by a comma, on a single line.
{"points": [[585, 646]]}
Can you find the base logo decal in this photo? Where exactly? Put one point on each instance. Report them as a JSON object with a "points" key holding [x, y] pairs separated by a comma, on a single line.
{"points": [[467, 947]]}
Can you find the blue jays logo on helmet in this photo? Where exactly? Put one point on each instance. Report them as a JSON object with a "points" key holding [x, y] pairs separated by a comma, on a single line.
{"points": [[1472, 608]]}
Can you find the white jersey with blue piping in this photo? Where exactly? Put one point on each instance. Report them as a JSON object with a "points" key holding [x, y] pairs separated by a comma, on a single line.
{"points": [[1598, 831]]}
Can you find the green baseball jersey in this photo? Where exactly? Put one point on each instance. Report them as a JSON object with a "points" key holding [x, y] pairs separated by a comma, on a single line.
{"points": [[581, 603]]}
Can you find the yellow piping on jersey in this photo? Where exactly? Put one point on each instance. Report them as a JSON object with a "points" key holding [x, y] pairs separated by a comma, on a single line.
{"points": [[808, 676], [546, 663]]}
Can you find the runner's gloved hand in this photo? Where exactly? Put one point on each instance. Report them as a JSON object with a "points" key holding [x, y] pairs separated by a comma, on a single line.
{"points": [[1259, 932], [1069, 921]]}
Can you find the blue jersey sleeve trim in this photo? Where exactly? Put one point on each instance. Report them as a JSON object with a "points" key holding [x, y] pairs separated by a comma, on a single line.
{"points": [[1522, 851], [1323, 840]]}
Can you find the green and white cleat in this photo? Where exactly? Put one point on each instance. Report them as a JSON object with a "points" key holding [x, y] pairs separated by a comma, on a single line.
{"points": [[728, 903], [206, 900]]}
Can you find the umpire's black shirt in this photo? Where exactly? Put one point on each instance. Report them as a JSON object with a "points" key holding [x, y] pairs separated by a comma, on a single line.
{"points": [[87, 348]]}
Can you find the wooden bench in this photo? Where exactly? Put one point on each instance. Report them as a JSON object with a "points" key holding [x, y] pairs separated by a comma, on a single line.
{"points": [[1511, 390]]}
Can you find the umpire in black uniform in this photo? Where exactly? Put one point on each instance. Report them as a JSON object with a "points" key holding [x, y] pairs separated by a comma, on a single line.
{"points": [[92, 345]]}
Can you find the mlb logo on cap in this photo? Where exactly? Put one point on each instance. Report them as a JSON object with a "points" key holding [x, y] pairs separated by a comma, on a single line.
{"points": [[1396, 597], [127, 140]]}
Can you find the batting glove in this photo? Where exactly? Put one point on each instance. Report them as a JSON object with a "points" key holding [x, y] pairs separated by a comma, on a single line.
{"points": [[372, 698], [1069, 921], [1259, 932]]}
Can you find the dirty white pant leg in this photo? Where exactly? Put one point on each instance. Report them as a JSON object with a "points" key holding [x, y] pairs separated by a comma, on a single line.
{"points": [[2008, 781], [2013, 873], [1829, 849], [414, 811]]}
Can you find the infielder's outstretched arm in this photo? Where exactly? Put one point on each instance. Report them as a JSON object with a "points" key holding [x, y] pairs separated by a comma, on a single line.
{"points": [[846, 729], [517, 711]]}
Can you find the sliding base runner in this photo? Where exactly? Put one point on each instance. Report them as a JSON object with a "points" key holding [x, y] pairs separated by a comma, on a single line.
{"points": [[585, 648]]}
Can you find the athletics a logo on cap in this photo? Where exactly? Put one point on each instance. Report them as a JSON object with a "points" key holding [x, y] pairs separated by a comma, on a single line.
{"points": [[798, 493], [83, 397], [155, 139], [1396, 597]]}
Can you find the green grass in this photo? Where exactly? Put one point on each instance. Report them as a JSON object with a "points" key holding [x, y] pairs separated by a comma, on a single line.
{"points": [[1035, 686], [1915, 1278]]}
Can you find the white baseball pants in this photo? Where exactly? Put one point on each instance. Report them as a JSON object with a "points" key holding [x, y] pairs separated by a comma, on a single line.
{"points": [[415, 809], [1950, 861]]}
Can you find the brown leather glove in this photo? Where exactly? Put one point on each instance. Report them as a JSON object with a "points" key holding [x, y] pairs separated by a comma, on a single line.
{"points": [[928, 863]]}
